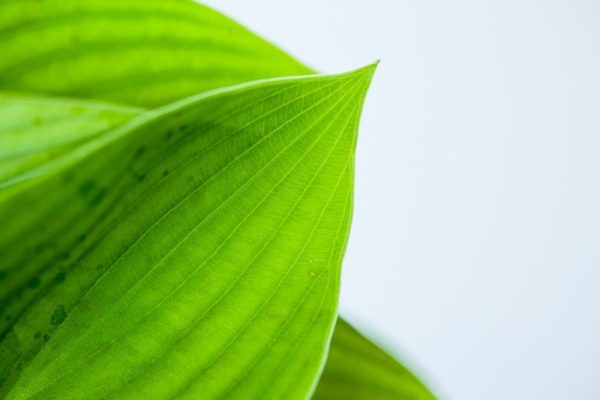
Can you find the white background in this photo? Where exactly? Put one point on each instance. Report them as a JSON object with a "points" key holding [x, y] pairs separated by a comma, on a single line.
{"points": [[475, 249]]}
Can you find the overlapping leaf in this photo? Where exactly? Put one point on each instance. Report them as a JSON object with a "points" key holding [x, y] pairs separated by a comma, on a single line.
{"points": [[357, 369], [141, 52], [192, 49], [137, 51], [35, 130], [266, 166]]}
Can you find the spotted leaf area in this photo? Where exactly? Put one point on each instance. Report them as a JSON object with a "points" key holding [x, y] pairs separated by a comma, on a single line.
{"points": [[58, 210], [222, 280]]}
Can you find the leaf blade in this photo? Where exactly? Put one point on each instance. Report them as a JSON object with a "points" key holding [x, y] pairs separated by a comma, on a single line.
{"points": [[47, 365], [357, 369], [192, 48], [37, 130], [17, 21]]}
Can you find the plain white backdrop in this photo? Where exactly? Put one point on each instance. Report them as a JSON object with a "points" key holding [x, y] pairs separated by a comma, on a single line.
{"points": [[475, 247]]}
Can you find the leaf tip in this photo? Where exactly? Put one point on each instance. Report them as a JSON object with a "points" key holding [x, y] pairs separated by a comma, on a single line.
{"points": [[365, 74], [366, 71]]}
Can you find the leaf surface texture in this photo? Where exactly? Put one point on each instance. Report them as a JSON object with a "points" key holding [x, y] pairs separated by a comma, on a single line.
{"points": [[35, 130], [165, 304], [139, 52], [55, 250]]}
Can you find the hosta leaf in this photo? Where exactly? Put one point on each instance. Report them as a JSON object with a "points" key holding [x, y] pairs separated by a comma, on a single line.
{"points": [[357, 369], [222, 279], [47, 127], [35, 134], [35, 130], [141, 52]]}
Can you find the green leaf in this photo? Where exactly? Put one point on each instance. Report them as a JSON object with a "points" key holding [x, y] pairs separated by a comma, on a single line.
{"points": [[42, 121], [35, 130], [357, 369], [36, 134], [217, 273], [140, 52]]}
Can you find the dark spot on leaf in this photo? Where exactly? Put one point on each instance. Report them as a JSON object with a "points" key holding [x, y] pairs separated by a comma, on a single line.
{"points": [[139, 152], [82, 237], [59, 315], [37, 335], [3, 274], [8, 317], [168, 135], [46, 337], [59, 278], [99, 267], [139, 177], [165, 172], [64, 256], [91, 192], [34, 283], [183, 128]]}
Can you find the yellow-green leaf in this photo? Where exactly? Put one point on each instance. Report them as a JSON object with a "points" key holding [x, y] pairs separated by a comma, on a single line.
{"points": [[37, 130], [140, 52], [221, 281], [357, 369]]}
